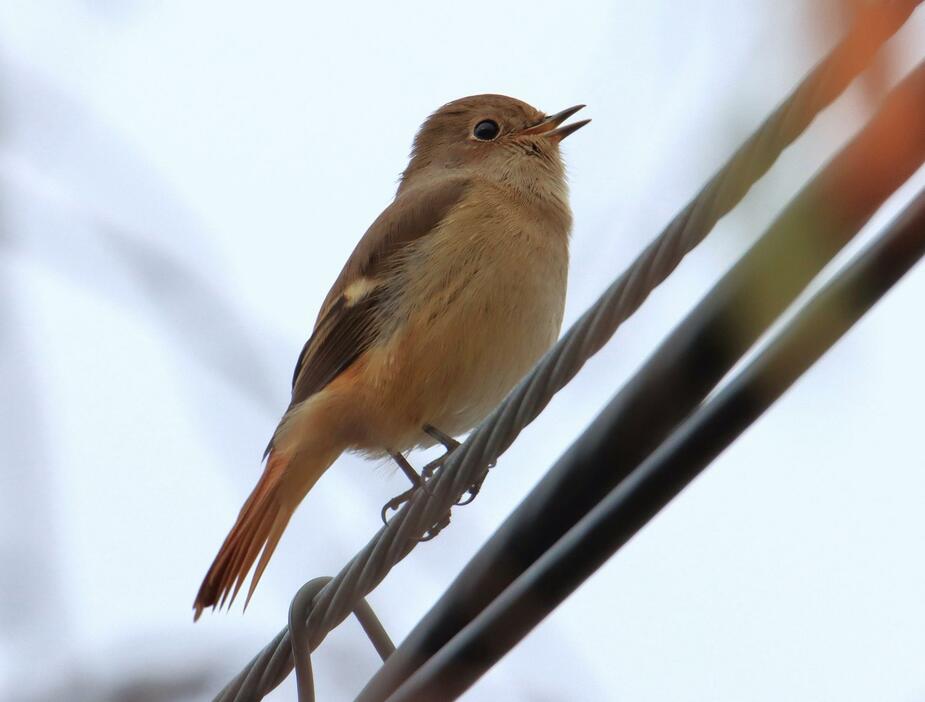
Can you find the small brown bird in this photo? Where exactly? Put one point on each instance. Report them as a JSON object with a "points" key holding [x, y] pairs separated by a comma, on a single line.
{"points": [[450, 297]]}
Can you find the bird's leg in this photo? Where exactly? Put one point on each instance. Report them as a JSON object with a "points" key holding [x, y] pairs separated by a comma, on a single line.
{"points": [[416, 482], [427, 472], [408, 470], [448, 441]]}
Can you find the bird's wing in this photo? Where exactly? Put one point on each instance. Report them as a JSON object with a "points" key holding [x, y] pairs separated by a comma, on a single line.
{"points": [[348, 319]]}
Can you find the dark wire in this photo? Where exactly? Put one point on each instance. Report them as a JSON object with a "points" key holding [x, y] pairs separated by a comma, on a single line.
{"points": [[699, 440]]}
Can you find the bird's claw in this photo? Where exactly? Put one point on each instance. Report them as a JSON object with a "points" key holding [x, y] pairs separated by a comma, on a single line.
{"points": [[473, 490], [436, 528], [396, 503], [471, 493]]}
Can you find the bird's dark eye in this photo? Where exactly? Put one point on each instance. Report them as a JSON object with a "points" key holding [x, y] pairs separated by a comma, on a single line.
{"points": [[486, 130]]}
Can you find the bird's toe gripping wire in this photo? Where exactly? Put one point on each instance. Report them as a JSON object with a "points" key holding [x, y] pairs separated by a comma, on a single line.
{"points": [[417, 483], [451, 445]]}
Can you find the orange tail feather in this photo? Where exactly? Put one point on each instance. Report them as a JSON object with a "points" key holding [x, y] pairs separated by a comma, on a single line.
{"points": [[257, 530]]}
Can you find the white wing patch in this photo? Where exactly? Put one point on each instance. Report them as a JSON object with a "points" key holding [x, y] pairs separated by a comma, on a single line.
{"points": [[359, 289]]}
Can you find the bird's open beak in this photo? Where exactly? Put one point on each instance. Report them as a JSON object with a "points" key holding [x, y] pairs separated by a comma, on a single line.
{"points": [[547, 126]]}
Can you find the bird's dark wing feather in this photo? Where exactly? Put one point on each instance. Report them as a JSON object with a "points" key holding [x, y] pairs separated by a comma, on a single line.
{"points": [[346, 325]]}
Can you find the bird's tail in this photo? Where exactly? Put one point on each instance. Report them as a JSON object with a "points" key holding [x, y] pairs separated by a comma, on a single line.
{"points": [[287, 478]]}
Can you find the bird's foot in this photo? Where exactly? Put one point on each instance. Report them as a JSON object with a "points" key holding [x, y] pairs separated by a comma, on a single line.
{"points": [[436, 528], [428, 471], [418, 483], [396, 503], [451, 444]]}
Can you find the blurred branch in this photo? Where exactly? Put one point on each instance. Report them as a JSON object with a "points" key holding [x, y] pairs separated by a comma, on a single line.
{"points": [[53, 155], [204, 324], [27, 544]]}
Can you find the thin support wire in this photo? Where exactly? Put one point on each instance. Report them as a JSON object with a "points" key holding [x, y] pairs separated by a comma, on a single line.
{"points": [[299, 611], [467, 465]]}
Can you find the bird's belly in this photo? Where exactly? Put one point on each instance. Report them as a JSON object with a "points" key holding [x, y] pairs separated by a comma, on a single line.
{"points": [[482, 358], [452, 360]]}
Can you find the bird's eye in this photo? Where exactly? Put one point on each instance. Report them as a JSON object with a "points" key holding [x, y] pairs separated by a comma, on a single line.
{"points": [[486, 130]]}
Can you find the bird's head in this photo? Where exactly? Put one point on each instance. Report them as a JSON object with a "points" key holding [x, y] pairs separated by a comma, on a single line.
{"points": [[492, 136]]}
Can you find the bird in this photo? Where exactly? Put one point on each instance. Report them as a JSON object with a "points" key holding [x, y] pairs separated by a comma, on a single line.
{"points": [[453, 293]]}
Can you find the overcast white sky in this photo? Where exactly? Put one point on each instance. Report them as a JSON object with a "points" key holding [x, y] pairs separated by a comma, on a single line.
{"points": [[179, 185]]}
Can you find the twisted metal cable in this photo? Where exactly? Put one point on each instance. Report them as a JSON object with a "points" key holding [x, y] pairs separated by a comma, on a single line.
{"points": [[468, 464]]}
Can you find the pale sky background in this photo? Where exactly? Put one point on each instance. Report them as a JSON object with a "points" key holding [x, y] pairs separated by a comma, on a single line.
{"points": [[180, 183]]}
